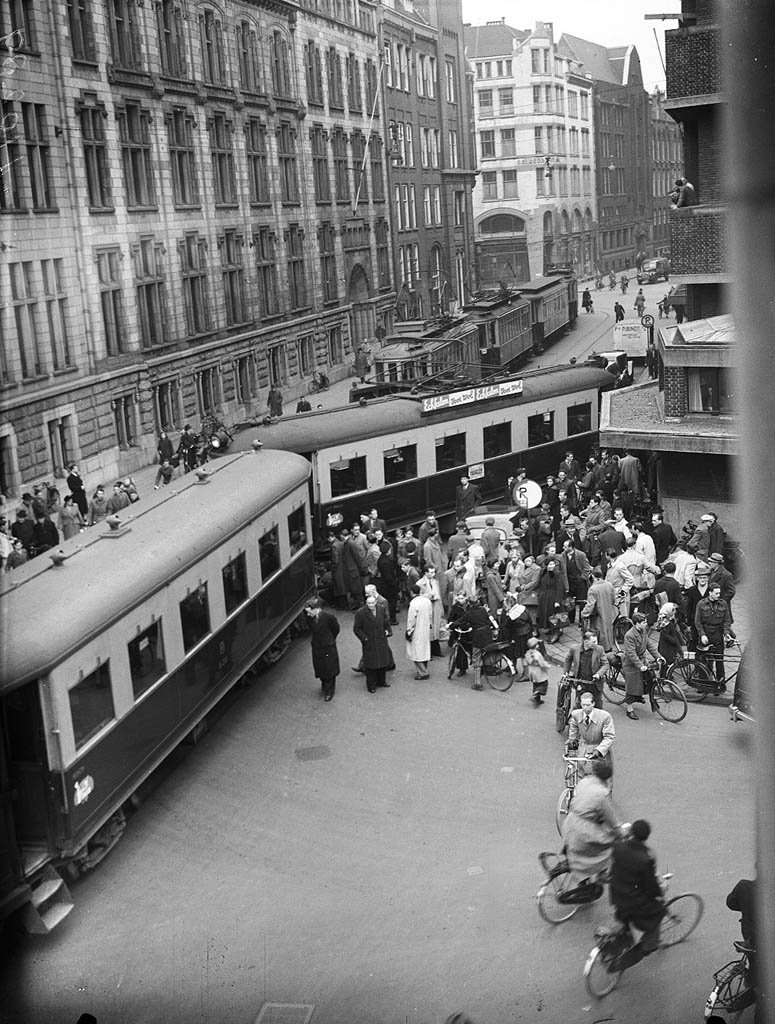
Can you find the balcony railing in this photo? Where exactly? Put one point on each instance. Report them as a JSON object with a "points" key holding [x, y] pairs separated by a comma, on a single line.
{"points": [[693, 60], [698, 240]]}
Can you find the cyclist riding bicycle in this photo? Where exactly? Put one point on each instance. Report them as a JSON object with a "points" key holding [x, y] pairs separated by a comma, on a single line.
{"points": [[592, 828], [635, 892]]}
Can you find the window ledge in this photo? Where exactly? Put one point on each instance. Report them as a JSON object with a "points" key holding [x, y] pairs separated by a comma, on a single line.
{"points": [[187, 206], [10, 385], [102, 209], [45, 209], [64, 371], [226, 206], [14, 210], [142, 209], [86, 62]]}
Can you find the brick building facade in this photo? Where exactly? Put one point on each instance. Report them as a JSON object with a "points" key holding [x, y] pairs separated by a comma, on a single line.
{"points": [[667, 165]]}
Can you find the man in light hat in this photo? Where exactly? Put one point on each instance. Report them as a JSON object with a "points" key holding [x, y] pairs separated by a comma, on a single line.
{"points": [[722, 577], [699, 542], [693, 596], [718, 537]]}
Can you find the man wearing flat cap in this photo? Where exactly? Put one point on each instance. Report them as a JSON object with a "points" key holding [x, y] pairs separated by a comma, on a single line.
{"points": [[722, 577]]}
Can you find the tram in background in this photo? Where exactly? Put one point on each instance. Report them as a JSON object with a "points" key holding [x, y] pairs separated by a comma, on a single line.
{"points": [[118, 646], [406, 454]]}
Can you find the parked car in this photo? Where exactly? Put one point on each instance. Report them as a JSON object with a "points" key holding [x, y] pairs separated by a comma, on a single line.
{"points": [[653, 270]]}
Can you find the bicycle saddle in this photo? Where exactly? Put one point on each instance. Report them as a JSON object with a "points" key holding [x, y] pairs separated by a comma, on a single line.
{"points": [[743, 947]]}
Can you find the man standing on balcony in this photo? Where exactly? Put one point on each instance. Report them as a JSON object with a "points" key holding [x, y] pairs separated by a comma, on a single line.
{"points": [[687, 195]]}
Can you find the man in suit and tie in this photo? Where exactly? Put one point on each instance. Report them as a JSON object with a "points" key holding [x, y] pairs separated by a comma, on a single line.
{"points": [[591, 731]]}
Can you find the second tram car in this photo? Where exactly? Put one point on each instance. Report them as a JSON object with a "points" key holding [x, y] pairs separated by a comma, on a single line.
{"points": [[118, 645], [551, 307], [405, 455]]}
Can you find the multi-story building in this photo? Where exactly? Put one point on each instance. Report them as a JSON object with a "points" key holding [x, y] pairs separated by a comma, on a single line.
{"points": [[688, 418], [621, 124], [431, 167], [534, 201], [193, 205], [667, 167]]}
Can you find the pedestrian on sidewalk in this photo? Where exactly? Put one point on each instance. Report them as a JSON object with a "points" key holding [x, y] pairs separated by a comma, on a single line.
{"points": [[324, 629]]}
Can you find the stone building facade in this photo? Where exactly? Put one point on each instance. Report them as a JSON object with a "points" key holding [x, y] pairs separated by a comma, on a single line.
{"points": [[666, 167], [194, 205], [534, 201]]}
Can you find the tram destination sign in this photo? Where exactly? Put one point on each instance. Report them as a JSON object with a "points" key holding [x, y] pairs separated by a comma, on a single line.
{"points": [[478, 394]]}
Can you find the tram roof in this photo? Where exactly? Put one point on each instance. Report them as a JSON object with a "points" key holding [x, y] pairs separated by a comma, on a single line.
{"points": [[313, 431], [48, 611]]}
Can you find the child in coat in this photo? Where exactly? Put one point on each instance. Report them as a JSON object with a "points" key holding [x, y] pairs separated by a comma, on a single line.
{"points": [[537, 670]]}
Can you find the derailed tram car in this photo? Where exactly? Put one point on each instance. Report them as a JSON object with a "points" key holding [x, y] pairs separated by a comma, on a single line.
{"points": [[117, 647], [406, 455]]}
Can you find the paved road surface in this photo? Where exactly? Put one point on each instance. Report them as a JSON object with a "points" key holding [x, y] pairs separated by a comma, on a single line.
{"points": [[375, 858]]}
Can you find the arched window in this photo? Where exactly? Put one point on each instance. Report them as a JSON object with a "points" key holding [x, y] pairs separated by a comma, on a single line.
{"points": [[248, 56], [281, 66], [548, 225], [564, 223], [588, 219], [578, 224], [213, 55], [502, 224]]}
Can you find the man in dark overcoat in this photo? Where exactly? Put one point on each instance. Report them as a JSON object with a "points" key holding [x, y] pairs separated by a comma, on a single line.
{"points": [[372, 627], [324, 629]]}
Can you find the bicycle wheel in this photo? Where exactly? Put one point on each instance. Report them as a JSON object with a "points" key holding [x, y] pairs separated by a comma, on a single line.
{"points": [[670, 700], [562, 713], [563, 809], [497, 671], [549, 906], [598, 979], [692, 676], [621, 625], [682, 915], [452, 661], [613, 685]]}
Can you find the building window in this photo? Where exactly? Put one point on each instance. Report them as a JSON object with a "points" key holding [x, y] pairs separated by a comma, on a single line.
{"points": [[135, 136], [450, 452], [193, 263], [208, 389], [167, 406], [195, 617], [313, 69], [286, 154], [383, 253], [328, 263], [511, 185], [276, 364], [459, 208], [377, 175], [146, 658], [124, 26], [305, 355], [55, 299], [354, 100], [489, 185], [341, 175], [16, 25], [95, 152], [81, 30], [348, 476], [508, 142], [124, 421], [269, 553], [579, 418], [25, 313], [112, 301], [150, 292], [10, 159], [213, 58], [320, 176], [450, 81], [255, 147], [266, 271], [485, 103], [335, 347], [244, 379], [247, 56], [506, 101], [91, 704], [454, 158], [360, 178], [334, 71], [172, 38], [235, 583], [436, 200], [711, 390], [426, 205], [573, 103], [487, 144], [222, 160], [233, 278], [280, 66], [540, 429], [180, 135], [584, 104], [59, 447], [400, 464], [542, 182], [372, 78], [297, 278]]}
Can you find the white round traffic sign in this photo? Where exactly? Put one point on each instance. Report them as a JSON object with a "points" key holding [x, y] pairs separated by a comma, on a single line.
{"points": [[526, 494]]}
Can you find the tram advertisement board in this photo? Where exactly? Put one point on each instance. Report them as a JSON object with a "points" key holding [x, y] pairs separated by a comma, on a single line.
{"points": [[479, 394]]}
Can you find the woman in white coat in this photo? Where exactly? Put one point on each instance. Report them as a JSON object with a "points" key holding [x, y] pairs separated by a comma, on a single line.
{"points": [[418, 631], [429, 586]]}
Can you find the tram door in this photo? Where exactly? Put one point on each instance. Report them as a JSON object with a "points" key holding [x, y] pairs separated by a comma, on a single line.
{"points": [[27, 774]]}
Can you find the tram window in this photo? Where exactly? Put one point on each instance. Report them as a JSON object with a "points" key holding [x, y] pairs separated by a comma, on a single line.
{"points": [[297, 530], [269, 553], [347, 476], [579, 418], [450, 451], [146, 658], [540, 429], [91, 704], [497, 440], [195, 617], [235, 582], [400, 464]]}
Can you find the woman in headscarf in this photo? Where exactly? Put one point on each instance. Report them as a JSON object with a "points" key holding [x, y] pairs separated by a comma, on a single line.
{"points": [[514, 628], [671, 639]]}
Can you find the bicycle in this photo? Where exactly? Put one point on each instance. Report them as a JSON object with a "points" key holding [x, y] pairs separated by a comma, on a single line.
{"points": [[492, 662], [734, 990], [697, 679], [319, 382], [602, 972], [567, 686], [563, 892], [566, 797], [667, 698]]}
